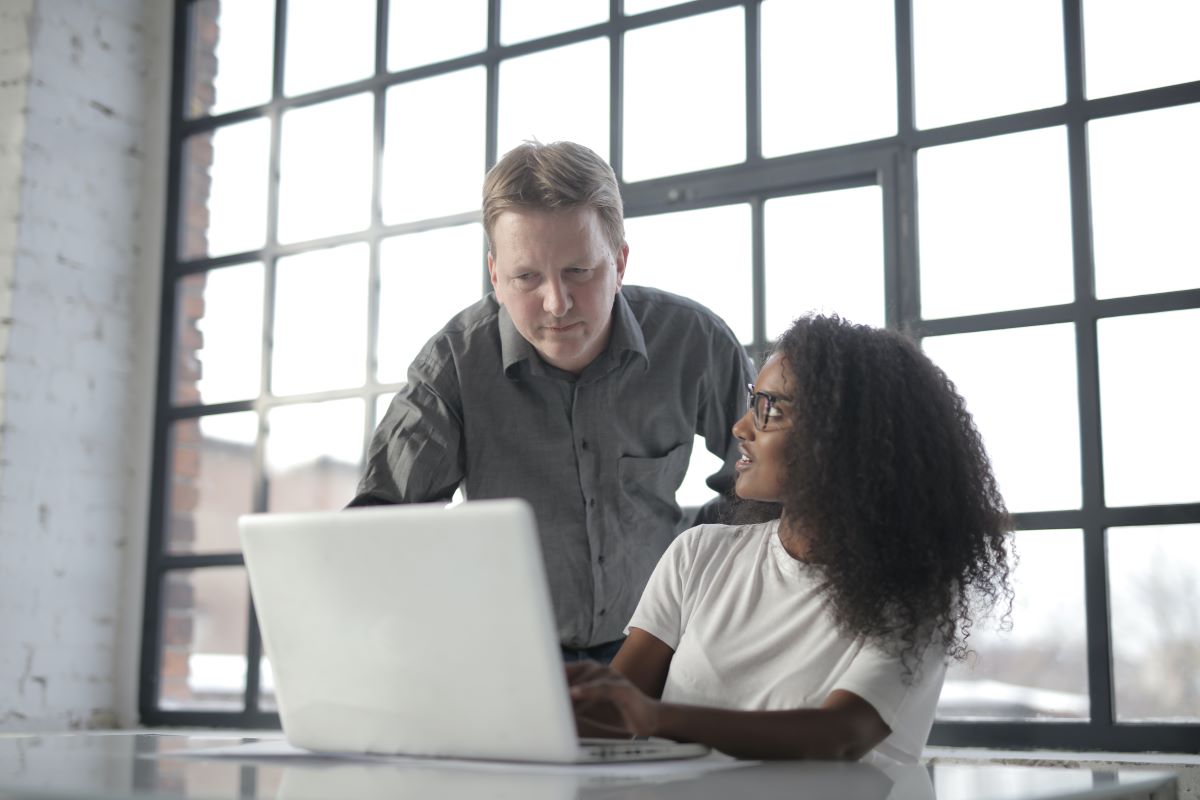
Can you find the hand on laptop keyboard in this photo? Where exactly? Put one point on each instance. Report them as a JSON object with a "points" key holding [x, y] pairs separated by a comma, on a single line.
{"points": [[606, 702]]}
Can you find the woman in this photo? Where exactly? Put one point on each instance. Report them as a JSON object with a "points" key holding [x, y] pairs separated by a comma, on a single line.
{"points": [[824, 632]]}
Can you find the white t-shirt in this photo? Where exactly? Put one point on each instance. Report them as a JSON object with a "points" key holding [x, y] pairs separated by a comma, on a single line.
{"points": [[751, 631]]}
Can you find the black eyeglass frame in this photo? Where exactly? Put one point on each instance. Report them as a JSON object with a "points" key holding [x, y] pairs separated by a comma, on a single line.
{"points": [[760, 418]]}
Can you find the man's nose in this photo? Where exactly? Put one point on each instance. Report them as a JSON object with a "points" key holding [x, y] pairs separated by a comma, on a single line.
{"points": [[556, 300]]}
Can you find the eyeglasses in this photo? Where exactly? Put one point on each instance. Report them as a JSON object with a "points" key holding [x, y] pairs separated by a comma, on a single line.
{"points": [[761, 405]]}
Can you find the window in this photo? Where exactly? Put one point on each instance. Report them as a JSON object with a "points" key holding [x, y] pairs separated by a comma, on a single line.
{"points": [[1030, 219]]}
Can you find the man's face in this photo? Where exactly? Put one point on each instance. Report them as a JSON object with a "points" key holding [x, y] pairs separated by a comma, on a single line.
{"points": [[557, 275]]}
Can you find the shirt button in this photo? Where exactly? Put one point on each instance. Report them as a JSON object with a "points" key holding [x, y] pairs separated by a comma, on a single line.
{"points": [[600, 559], [602, 612], [592, 503], [583, 444]]}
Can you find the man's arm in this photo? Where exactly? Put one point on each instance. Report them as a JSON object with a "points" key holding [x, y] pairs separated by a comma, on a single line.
{"points": [[416, 453]]}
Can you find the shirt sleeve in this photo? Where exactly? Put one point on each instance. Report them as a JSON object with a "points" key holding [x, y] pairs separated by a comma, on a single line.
{"points": [[906, 706], [415, 455], [660, 611], [723, 404]]}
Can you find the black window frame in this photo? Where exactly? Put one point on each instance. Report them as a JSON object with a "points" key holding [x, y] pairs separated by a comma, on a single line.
{"points": [[888, 162]]}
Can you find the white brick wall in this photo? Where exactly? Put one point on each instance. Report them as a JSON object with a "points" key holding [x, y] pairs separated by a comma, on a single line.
{"points": [[82, 152], [14, 78]]}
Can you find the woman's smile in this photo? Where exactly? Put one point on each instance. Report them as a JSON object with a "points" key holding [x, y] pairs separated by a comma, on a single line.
{"points": [[745, 461]]}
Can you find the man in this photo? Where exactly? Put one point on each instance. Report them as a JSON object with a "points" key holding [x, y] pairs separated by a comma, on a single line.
{"points": [[567, 389]]}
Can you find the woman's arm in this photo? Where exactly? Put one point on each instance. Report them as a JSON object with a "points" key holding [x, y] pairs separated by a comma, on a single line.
{"points": [[643, 660], [845, 727]]}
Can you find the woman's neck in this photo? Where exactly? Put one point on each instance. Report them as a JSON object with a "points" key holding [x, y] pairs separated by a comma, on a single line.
{"points": [[794, 537]]}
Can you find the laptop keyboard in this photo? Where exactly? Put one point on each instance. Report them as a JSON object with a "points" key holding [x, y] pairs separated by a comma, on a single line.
{"points": [[638, 750]]}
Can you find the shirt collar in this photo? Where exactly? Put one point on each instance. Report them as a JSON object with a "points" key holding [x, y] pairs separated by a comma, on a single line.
{"points": [[514, 348], [626, 335]]}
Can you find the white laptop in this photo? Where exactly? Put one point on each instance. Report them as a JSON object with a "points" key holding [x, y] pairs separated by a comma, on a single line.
{"points": [[419, 630]]}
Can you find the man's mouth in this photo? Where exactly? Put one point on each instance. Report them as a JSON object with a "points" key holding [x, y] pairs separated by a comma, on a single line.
{"points": [[561, 328]]}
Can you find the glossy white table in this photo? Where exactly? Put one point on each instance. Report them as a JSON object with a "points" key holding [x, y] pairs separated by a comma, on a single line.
{"points": [[145, 765]]}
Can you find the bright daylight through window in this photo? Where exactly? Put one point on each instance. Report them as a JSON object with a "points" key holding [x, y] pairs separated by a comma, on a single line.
{"points": [[1032, 221]]}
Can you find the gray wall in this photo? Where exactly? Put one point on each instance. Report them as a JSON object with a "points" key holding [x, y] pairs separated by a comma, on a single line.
{"points": [[83, 112]]}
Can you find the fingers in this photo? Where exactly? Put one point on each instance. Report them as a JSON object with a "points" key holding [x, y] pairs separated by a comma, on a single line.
{"points": [[587, 671], [598, 725], [609, 695], [594, 691]]}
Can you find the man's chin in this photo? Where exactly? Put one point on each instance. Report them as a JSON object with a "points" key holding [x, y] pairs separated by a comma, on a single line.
{"points": [[560, 352], [570, 356]]}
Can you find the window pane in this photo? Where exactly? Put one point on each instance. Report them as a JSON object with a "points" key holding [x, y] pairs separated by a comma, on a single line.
{"points": [[1145, 173], [995, 224], [320, 334], [824, 252], [828, 74], [212, 482], [687, 111], [204, 639], [381, 406], [422, 33], [679, 253], [325, 153], [328, 44], [694, 490], [230, 55], [1038, 669], [986, 59], [313, 455], [434, 170], [266, 686], [225, 190], [521, 20], [424, 280], [1020, 387], [1149, 385], [218, 347], [1133, 46], [576, 77], [1154, 591]]}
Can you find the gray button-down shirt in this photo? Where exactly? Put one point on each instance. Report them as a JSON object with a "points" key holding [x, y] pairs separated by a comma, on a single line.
{"points": [[599, 456]]}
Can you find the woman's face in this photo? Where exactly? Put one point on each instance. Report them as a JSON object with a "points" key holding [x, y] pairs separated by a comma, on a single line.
{"points": [[762, 470]]}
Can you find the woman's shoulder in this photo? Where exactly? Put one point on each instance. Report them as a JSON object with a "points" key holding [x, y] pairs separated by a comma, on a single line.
{"points": [[714, 538]]}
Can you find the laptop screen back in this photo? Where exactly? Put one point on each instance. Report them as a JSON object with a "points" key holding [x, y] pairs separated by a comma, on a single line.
{"points": [[411, 629]]}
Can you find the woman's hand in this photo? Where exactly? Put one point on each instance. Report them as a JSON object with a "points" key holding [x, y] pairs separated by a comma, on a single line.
{"points": [[605, 698]]}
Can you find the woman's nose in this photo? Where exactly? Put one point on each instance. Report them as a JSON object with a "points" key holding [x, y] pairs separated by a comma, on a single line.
{"points": [[744, 427]]}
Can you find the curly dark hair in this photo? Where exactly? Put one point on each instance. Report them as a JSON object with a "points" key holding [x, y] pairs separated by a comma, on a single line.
{"points": [[890, 481]]}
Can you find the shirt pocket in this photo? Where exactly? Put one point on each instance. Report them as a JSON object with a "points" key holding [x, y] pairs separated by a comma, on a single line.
{"points": [[648, 493]]}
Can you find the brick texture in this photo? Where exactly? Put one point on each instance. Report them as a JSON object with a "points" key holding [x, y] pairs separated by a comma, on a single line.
{"points": [[74, 389]]}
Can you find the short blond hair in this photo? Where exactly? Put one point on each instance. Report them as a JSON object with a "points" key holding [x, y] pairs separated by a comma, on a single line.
{"points": [[551, 177]]}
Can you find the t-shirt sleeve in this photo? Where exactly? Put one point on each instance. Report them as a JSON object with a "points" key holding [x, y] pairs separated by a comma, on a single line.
{"points": [[906, 707], [660, 611]]}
